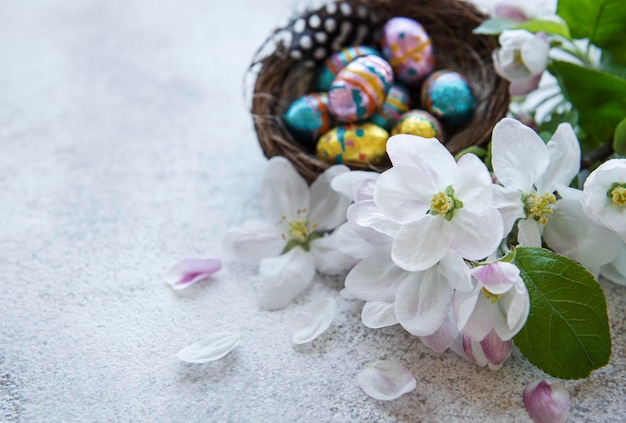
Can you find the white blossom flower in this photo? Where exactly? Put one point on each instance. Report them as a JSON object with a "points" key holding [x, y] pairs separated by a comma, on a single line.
{"points": [[604, 196], [531, 172], [293, 242], [521, 59], [522, 11], [499, 302], [441, 206], [546, 403]]}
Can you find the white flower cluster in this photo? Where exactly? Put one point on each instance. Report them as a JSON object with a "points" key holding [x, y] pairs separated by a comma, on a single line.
{"points": [[427, 241], [432, 234]]}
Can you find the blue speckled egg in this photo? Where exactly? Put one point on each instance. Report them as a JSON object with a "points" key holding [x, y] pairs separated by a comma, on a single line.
{"points": [[448, 96], [359, 143], [360, 89], [337, 61], [308, 117], [409, 50], [397, 102]]}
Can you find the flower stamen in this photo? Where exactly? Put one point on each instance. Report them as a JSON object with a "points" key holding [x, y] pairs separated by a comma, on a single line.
{"points": [[539, 207], [444, 203], [617, 194], [490, 296]]}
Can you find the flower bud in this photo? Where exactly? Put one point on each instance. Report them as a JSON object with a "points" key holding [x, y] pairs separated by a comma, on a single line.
{"points": [[546, 403]]}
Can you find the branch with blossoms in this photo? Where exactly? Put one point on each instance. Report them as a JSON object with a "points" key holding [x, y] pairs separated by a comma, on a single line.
{"points": [[566, 65]]}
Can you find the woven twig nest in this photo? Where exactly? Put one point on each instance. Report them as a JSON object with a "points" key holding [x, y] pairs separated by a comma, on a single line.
{"points": [[282, 76]]}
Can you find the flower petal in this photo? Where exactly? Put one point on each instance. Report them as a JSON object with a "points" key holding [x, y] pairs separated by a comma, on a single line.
{"points": [[386, 380], [423, 302], [453, 268], [426, 153], [189, 271], [283, 190], [616, 270], [328, 207], [367, 214], [519, 156], [534, 53], [312, 321], [473, 183], [495, 349], [213, 347], [528, 233], [510, 205], [564, 153], [375, 278], [282, 278], [546, 403], [516, 303], [253, 241], [482, 319], [402, 201], [497, 277], [443, 338], [345, 182], [378, 314], [420, 245], [327, 256], [354, 240], [570, 233], [476, 234]]}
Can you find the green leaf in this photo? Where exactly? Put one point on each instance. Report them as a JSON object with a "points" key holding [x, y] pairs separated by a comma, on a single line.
{"points": [[494, 26], [543, 25], [601, 21], [619, 140], [567, 332], [599, 97]]}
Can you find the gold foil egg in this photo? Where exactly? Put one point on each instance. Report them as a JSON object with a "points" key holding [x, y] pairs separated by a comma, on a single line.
{"points": [[360, 143], [418, 122]]}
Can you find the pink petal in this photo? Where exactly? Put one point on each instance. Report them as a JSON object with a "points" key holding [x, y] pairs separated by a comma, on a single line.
{"points": [[386, 380], [496, 350], [497, 277], [189, 271]]}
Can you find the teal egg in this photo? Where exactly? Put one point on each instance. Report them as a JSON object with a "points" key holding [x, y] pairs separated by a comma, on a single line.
{"points": [[308, 117], [447, 95]]}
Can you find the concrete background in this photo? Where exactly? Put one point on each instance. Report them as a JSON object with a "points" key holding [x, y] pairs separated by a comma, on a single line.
{"points": [[126, 145]]}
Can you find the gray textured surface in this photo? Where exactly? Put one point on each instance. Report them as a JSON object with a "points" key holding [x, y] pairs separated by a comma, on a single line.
{"points": [[125, 146]]}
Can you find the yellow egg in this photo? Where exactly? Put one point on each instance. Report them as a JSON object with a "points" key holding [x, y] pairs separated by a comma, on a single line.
{"points": [[360, 143], [418, 122]]}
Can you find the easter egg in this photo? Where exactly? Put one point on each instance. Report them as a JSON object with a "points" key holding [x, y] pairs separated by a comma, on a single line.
{"points": [[360, 89], [360, 143], [397, 102], [418, 122], [316, 34], [448, 96], [308, 117], [337, 61], [408, 48]]}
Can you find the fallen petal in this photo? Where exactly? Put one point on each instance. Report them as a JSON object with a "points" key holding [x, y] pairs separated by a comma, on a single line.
{"points": [[189, 271], [386, 380], [212, 348], [546, 403], [312, 321]]}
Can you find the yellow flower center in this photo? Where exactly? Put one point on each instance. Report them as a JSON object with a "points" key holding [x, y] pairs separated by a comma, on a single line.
{"points": [[444, 203], [299, 232], [440, 203], [539, 207], [617, 193], [490, 296]]}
